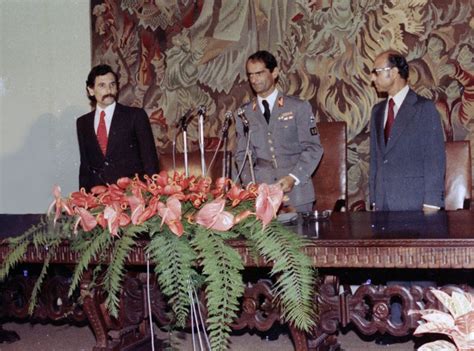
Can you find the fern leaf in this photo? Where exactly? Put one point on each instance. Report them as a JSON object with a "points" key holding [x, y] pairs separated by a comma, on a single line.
{"points": [[222, 266]]}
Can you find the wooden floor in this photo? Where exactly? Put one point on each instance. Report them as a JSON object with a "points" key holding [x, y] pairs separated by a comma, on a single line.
{"points": [[37, 337]]}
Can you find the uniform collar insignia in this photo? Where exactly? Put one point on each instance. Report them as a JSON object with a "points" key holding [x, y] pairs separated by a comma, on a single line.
{"points": [[280, 101]]}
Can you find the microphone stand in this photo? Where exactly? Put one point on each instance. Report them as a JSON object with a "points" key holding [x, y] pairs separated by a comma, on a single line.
{"points": [[225, 137], [183, 124], [248, 153], [201, 113]]}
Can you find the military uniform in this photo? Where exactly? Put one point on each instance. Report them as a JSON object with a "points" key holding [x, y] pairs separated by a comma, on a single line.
{"points": [[289, 143]]}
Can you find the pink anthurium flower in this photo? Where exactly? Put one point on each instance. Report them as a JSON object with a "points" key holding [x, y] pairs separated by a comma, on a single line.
{"points": [[171, 215], [268, 202], [115, 218], [213, 216], [60, 204], [85, 218]]}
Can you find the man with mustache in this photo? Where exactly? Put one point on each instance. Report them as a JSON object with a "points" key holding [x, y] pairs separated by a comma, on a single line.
{"points": [[114, 140]]}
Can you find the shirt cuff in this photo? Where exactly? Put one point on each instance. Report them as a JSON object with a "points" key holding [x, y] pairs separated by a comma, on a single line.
{"points": [[432, 206], [297, 181]]}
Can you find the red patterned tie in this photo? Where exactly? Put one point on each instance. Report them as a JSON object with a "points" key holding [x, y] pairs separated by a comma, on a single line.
{"points": [[102, 133], [390, 119]]}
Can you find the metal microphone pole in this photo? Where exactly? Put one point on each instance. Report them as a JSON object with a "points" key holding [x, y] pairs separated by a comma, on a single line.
{"points": [[201, 113], [248, 153], [225, 137], [183, 124]]}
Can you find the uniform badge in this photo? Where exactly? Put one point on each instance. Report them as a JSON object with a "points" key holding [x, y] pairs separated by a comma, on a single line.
{"points": [[314, 131], [254, 105], [286, 116], [280, 101]]}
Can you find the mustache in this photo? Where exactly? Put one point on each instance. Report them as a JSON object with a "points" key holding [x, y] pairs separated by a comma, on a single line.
{"points": [[109, 95]]}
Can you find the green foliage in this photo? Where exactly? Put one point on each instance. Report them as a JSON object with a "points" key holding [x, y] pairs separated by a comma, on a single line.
{"points": [[116, 269], [19, 245], [294, 289], [87, 250], [221, 265], [52, 246], [174, 261]]}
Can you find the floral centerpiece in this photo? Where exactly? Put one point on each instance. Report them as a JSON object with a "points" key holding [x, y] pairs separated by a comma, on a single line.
{"points": [[188, 221], [457, 324]]}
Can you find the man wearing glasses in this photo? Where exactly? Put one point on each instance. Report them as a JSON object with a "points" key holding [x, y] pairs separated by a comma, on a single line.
{"points": [[407, 155]]}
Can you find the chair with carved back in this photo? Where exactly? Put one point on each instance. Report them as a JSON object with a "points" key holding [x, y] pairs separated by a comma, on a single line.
{"points": [[458, 180], [330, 178]]}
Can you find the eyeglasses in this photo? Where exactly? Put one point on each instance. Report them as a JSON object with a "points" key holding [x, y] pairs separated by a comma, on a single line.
{"points": [[378, 70]]}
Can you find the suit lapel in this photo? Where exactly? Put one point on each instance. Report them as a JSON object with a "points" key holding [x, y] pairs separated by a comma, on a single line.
{"points": [[379, 125], [90, 134], [402, 119]]}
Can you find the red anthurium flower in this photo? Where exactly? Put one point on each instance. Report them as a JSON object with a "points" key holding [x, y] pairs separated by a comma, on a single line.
{"points": [[87, 220], [203, 185], [236, 194], [220, 186], [161, 179], [196, 199], [268, 202], [59, 203], [115, 218], [171, 215], [83, 199], [114, 195], [99, 189], [213, 216], [124, 182]]}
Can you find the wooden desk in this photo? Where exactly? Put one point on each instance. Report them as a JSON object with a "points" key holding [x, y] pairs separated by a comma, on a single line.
{"points": [[408, 240]]}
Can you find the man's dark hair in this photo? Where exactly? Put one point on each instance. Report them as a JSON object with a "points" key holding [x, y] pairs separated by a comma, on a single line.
{"points": [[264, 56], [99, 70], [399, 61]]}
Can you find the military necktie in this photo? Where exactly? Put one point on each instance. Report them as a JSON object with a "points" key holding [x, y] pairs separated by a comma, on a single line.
{"points": [[102, 133], [266, 112], [390, 119]]}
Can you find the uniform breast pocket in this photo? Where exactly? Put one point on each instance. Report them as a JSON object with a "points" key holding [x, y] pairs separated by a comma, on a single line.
{"points": [[287, 130]]}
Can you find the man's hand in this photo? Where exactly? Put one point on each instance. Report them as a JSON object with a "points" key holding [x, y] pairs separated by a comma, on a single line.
{"points": [[286, 183]]}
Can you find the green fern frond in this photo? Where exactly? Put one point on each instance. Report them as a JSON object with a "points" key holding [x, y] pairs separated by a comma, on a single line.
{"points": [[116, 269], [100, 242], [13, 258], [52, 246], [174, 261], [294, 287], [222, 266]]}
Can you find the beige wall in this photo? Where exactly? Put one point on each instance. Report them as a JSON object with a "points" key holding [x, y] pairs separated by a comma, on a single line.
{"points": [[44, 60]]}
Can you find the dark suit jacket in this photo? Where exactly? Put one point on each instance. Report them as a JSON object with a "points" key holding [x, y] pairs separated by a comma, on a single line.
{"points": [[130, 149], [290, 138], [409, 171]]}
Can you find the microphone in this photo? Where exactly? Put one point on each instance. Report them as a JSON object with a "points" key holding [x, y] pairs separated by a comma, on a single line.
{"points": [[245, 121], [201, 110], [228, 118], [183, 121]]}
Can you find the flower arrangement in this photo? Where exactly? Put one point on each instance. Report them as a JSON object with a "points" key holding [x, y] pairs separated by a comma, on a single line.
{"points": [[458, 324], [188, 221]]}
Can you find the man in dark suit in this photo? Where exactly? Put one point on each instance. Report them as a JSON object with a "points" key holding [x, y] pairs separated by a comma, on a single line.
{"points": [[407, 155], [284, 140], [114, 140]]}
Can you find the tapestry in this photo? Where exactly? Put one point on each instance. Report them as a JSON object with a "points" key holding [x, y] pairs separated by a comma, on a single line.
{"points": [[175, 55]]}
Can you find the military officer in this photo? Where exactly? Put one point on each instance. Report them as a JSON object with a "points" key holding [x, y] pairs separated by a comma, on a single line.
{"points": [[284, 142]]}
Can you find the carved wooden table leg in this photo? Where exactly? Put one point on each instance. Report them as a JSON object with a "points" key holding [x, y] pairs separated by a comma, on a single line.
{"points": [[92, 309]]}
